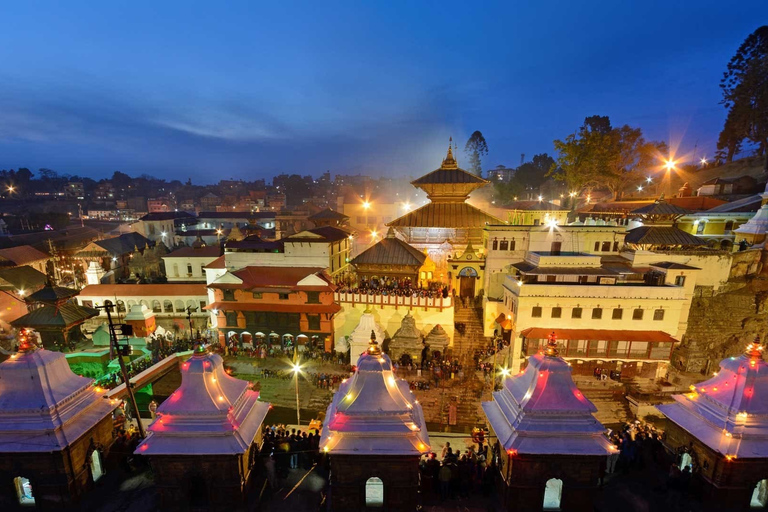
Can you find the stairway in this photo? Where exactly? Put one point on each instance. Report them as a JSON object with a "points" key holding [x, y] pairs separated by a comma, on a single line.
{"points": [[472, 338]]}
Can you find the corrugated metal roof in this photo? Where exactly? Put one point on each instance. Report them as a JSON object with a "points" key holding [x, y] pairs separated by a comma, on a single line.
{"points": [[390, 251], [446, 215], [661, 207], [661, 235], [442, 175]]}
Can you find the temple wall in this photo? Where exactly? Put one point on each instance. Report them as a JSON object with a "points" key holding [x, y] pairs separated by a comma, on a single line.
{"points": [[349, 474]]}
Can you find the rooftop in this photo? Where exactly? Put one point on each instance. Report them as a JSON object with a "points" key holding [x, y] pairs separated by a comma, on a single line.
{"points": [[208, 251], [21, 255], [537, 206], [446, 215], [390, 251], [661, 235], [167, 216]]}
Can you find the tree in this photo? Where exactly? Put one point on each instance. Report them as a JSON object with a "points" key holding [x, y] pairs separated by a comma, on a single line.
{"points": [[598, 155], [745, 95], [475, 148], [531, 175]]}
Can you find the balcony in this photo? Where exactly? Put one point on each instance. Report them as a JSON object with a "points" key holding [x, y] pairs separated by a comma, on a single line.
{"points": [[394, 300], [594, 290]]}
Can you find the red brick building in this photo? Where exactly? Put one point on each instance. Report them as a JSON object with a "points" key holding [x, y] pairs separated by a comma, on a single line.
{"points": [[277, 305]]}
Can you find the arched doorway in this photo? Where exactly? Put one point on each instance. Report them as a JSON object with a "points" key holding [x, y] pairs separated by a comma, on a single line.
{"points": [[97, 468], [24, 490], [287, 340], [760, 495], [274, 338], [247, 339], [467, 279], [374, 492], [686, 460], [553, 492], [301, 341]]}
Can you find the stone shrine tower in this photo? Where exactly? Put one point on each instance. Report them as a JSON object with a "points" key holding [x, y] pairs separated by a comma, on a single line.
{"points": [[720, 429], [55, 431], [552, 451], [375, 435], [205, 441]]}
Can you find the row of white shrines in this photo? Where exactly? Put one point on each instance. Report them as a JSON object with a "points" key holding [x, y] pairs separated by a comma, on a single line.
{"points": [[548, 447]]}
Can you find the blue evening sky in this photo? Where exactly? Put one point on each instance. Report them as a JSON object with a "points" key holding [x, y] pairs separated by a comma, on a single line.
{"points": [[213, 90]]}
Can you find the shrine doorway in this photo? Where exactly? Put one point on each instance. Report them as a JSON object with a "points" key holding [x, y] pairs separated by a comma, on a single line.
{"points": [[553, 492], [374, 492], [467, 280], [760, 495]]}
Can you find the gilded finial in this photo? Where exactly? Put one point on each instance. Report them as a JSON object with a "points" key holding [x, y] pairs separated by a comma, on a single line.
{"points": [[551, 349], [449, 162], [373, 348], [755, 349]]}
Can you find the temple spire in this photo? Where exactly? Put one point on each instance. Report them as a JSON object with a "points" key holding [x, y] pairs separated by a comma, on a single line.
{"points": [[755, 349], [449, 162], [551, 349], [374, 348]]}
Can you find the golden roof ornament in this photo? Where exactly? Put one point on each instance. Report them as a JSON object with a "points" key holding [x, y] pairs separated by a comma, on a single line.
{"points": [[449, 162], [373, 348], [755, 349], [551, 349]]}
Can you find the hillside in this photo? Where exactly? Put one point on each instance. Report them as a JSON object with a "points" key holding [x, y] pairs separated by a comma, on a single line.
{"points": [[752, 166]]}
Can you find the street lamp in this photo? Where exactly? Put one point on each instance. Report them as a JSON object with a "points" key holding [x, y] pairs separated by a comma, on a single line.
{"points": [[11, 188], [366, 205], [296, 369], [649, 179], [703, 160]]}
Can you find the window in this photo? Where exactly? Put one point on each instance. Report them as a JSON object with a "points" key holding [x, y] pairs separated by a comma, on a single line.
{"points": [[374, 492], [24, 491], [536, 312], [495, 245], [555, 248], [167, 306], [511, 245], [597, 313], [313, 297], [202, 306], [597, 246], [313, 322], [179, 306], [658, 314], [283, 296], [728, 227], [557, 312], [615, 246], [680, 281], [360, 220], [156, 308], [606, 247], [700, 228], [120, 306], [637, 314], [87, 303], [617, 314], [189, 269], [175, 270], [257, 295], [553, 492], [97, 469], [231, 318], [535, 222], [504, 245], [229, 294], [576, 313]]}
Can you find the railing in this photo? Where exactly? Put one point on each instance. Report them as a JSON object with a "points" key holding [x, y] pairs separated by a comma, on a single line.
{"points": [[394, 300], [594, 290], [653, 353]]}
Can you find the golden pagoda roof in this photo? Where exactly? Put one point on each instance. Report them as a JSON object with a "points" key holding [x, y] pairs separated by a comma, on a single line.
{"points": [[445, 215]]}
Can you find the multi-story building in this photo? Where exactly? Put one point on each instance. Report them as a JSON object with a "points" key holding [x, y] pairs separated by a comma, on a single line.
{"points": [[607, 314], [277, 306], [75, 190], [187, 264], [159, 204], [534, 213], [163, 225]]}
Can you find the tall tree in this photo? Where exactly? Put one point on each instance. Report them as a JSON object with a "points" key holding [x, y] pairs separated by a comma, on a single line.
{"points": [[745, 95], [475, 148], [598, 155]]}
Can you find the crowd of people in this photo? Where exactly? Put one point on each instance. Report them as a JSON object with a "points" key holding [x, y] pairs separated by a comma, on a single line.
{"points": [[455, 474], [639, 446], [284, 449], [400, 287]]}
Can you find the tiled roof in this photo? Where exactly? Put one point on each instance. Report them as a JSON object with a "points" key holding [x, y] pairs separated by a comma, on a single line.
{"points": [[390, 251], [328, 214], [124, 244], [69, 238], [661, 235], [55, 316], [51, 294], [21, 255], [328, 233], [219, 262], [142, 290], [167, 216], [275, 277], [23, 278], [534, 206], [446, 215], [235, 215], [209, 251]]}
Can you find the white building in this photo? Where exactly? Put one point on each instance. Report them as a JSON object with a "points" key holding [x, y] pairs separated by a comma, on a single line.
{"points": [[187, 264]]}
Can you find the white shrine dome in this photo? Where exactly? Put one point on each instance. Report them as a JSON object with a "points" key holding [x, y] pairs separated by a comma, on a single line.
{"points": [[541, 411], [374, 413], [361, 335], [44, 405], [729, 412], [210, 413]]}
